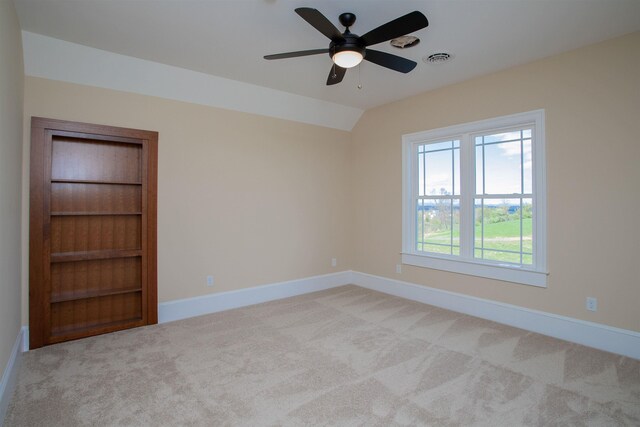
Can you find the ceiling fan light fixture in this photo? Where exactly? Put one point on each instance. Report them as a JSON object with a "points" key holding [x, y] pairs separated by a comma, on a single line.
{"points": [[347, 58]]}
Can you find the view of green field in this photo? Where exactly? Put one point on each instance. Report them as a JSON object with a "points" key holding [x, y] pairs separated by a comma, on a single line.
{"points": [[503, 235]]}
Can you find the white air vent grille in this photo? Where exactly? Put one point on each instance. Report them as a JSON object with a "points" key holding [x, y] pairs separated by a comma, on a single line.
{"points": [[438, 58]]}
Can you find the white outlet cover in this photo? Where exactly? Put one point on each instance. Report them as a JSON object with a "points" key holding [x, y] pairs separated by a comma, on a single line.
{"points": [[209, 280], [334, 262], [592, 304]]}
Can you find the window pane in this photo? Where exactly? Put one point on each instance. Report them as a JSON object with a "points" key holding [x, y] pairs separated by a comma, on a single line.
{"points": [[527, 171], [502, 226], [502, 168], [439, 168], [421, 174], [455, 232], [456, 171], [438, 228], [498, 230], [526, 133], [527, 229], [420, 221], [477, 218], [479, 171]]}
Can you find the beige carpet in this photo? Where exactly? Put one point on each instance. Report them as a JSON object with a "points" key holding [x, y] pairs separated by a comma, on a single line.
{"points": [[346, 356]]}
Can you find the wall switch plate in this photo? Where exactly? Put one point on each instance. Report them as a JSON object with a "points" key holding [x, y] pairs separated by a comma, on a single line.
{"points": [[398, 268], [592, 304], [209, 280], [334, 262]]}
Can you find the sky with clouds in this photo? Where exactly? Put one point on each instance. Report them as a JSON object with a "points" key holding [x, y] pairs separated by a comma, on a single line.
{"points": [[504, 153]]}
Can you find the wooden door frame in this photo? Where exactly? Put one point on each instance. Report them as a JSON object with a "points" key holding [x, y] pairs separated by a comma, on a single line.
{"points": [[42, 130]]}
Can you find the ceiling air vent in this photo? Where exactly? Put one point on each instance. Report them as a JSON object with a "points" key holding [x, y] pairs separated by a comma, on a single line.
{"points": [[438, 58]]}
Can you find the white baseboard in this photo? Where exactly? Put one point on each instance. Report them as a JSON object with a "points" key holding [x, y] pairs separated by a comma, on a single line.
{"points": [[615, 340], [10, 374], [190, 307], [602, 337], [25, 338]]}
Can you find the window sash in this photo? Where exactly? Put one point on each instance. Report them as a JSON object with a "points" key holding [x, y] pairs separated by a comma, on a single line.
{"points": [[419, 150]]}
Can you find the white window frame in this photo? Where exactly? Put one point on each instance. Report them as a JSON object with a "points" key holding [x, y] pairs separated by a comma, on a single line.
{"points": [[465, 263]]}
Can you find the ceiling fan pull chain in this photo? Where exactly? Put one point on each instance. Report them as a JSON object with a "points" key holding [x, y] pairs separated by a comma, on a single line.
{"points": [[359, 75]]}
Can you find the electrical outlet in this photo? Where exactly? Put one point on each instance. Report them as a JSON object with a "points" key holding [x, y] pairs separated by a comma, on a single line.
{"points": [[209, 280], [334, 262], [592, 304], [398, 268]]}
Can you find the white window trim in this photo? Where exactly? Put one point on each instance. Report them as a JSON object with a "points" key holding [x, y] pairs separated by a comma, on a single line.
{"points": [[469, 265]]}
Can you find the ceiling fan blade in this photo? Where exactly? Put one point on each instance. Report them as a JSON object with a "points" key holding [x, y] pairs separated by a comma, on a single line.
{"points": [[393, 62], [336, 74], [296, 54], [406, 24], [319, 22]]}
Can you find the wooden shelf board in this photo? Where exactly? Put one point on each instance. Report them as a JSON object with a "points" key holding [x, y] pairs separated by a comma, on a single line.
{"points": [[93, 181], [91, 255], [74, 296], [93, 213]]}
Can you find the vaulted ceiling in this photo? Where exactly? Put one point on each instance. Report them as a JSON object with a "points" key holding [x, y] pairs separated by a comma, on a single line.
{"points": [[228, 38]]}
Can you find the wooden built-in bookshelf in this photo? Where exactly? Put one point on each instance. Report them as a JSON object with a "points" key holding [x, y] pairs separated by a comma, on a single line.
{"points": [[93, 230]]}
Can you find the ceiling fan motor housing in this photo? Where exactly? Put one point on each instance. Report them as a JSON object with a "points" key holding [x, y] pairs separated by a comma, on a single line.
{"points": [[351, 42]]}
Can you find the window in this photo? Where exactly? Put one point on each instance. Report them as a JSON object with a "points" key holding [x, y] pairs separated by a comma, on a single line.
{"points": [[474, 199]]}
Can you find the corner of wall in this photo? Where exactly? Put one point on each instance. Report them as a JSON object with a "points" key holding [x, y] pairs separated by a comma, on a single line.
{"points": [[11, 114]]}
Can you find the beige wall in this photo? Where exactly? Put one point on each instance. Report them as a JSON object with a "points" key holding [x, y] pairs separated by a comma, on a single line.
{"points": [[11, 98], [592, 102], [248, 199], [253, 200]]}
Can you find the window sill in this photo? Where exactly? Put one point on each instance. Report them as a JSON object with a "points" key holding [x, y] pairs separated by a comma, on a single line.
{"points": [[498, 272]]}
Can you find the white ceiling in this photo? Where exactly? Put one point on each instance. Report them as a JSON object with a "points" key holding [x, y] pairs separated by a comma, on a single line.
{"points": [[228, 38]]}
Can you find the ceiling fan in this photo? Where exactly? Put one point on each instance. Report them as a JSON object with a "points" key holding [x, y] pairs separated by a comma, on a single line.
{"points": [[347, 49]]}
